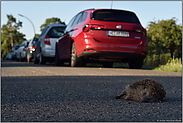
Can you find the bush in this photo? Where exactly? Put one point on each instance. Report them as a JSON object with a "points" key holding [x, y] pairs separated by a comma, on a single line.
{"points": [[152, 61]]}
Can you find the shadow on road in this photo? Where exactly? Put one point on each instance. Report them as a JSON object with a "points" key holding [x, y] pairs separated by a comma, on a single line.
{"points": [[9, 63]]}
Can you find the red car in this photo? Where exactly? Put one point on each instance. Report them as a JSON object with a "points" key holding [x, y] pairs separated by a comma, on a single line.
{"points": [[103, 36]]}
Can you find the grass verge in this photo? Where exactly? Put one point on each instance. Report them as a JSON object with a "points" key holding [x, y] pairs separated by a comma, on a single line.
{"points": [[173, 65]]}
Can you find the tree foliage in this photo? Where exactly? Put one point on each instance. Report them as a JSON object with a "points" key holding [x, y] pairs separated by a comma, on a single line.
{"points": [[52, 20], [37, 35], [162, 34], [10, 35]]}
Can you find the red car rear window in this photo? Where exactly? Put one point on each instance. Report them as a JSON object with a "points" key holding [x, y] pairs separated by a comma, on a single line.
{"points": [[115, 16]]}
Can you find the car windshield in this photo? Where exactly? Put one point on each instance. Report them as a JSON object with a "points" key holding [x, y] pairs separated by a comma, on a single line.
{"points": [[115, 16]]}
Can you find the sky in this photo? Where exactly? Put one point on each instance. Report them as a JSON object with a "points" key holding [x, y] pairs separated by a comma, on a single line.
{"points": [[39, 11]]}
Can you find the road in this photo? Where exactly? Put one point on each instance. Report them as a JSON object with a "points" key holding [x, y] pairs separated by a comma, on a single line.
{"points": [[32, 92]]}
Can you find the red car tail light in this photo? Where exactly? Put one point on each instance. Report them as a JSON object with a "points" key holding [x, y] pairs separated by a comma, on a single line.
{"points": [[24, 49], [143, 31], [89, 27], [86, 28], [97, 27], [47, 40], [32, 48], [140, 43]]}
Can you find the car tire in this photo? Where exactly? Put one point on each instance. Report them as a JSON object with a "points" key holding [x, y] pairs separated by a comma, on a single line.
{"points": [[36, 61], [75, 61], [135, 63], [25, 59], [42, 59], [17, 59], [58, 62], [21, 59]]}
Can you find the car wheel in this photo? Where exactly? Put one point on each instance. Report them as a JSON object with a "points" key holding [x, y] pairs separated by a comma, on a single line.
{"points": [[58, 62], [108, 64], [25, 59], [35, 59], [135, 63], [17, 59], [21, 59], [75, 61], [42, 59]]}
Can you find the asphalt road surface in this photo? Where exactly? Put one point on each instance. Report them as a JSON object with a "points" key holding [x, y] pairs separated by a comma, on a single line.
{"points": [[48, 93]]}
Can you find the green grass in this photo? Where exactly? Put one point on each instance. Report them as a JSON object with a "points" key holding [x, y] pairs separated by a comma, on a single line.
{"points": [[173, 65]]}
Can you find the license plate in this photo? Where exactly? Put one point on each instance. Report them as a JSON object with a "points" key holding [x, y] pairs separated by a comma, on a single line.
{"points": [[118, 33]]}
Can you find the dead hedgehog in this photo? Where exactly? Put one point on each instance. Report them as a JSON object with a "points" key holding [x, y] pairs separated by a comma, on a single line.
{"points": [[145, 90]]}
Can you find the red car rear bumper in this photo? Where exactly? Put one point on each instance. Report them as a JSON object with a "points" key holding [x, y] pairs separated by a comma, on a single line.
{"points": [[90, 48]]}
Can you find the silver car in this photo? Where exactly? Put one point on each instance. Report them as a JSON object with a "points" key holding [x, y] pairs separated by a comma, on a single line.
{"points": [[15, 48], [21, 51], [45, 46], [9, 56]]}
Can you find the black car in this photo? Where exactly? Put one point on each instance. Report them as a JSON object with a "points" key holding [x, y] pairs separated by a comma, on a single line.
{"points": [[31, 49]]}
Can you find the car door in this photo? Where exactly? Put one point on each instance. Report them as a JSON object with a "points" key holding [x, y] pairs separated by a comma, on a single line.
{"points": [[64, 41], [20, 49], [40, 39], [42, 36], [22, 52]]}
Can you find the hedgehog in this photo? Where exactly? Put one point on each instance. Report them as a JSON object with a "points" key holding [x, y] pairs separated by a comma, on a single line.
{"points": [[145, 90]]}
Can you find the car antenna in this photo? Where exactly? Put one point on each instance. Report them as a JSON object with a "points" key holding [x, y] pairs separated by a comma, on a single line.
{"points": [[111, 4]]}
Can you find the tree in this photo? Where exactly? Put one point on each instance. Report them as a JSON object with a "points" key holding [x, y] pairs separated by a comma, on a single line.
{"points": [[37, 35], [10, 35], [52, 20], [10, 22], [162, 34]]}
